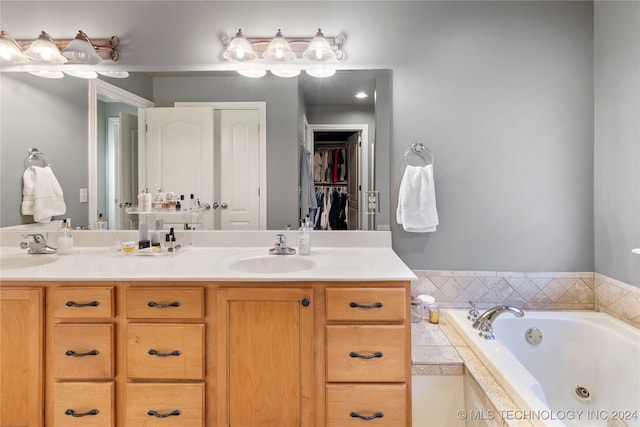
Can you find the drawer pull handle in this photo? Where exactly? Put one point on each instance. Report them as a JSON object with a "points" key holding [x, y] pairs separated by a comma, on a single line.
{"points": [[366, 356], [77, 304], [88, 353], [374, 305], [77, 415], [157, 305], [153, 413], [354, 414], [173, 353]]}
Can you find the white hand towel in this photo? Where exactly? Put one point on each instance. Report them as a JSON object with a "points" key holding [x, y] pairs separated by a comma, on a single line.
{"points": [[42, 195], [417, 200]]}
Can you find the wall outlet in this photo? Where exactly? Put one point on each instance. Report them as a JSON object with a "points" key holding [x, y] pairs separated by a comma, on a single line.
{"points": [[84, 195]]}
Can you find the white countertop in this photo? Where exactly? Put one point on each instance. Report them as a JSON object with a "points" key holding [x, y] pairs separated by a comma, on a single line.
{"points": [[356, 256]]}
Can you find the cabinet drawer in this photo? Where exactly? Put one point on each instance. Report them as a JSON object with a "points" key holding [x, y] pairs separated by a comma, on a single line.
{"points": [[78, 303], [366, 353], [184, 401], [83, 351], [83, 404], [367, 304], [165, 351], [158, 303], [381, 405]]}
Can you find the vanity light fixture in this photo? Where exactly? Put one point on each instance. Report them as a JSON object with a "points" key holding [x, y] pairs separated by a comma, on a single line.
{"points": [[47, 52], [279, 49], [239, 49], [319, 49], [314, 55], [10, 52], [44, 49], [81, 51], [361, 95]]}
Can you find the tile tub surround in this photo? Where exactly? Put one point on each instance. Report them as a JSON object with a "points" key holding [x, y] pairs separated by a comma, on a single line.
{"points": [[533, 291]]}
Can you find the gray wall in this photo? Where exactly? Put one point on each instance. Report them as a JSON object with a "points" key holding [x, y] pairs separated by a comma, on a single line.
{"points": [[617, 140], [281, 96], [501, 92], [53, 118]]}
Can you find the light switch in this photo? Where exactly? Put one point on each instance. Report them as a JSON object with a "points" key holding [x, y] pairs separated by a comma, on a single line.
{"points": [[84, 195]]}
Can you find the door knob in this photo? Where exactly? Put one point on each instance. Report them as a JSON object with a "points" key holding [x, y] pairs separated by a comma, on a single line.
{"points": [[224, 206], [215, 205]]}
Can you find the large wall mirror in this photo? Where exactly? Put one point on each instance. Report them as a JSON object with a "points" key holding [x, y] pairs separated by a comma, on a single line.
{"points": [[319, 118], [296, 114]]}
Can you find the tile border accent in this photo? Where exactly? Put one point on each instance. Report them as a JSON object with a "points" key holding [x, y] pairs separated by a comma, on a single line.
{"points": [[617, 299], [531, 290]]}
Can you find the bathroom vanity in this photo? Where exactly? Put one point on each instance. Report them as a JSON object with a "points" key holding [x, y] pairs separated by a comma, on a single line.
{"points": [[213, 336]]}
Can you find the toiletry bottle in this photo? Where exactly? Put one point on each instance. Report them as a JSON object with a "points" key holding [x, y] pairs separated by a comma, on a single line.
{"points": [[155, 235], [144, 201], [101, 223], [65, 239], [143, 236], [193, 204], [427, 306], [304, 238]]}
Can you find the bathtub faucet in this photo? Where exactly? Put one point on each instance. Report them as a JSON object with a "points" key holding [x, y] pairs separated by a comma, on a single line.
{"points": [[484, 323]]}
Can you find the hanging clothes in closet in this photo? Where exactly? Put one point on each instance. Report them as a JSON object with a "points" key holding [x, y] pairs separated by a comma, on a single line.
{"points": [[331, 213], [330, 165]]}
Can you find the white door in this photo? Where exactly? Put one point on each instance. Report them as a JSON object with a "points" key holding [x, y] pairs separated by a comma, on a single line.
{"points": [[128, 165], [355, 184], [178, 154], [239, 170]]}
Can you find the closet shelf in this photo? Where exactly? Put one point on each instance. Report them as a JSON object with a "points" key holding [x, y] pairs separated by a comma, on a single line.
{"points": [[339, 183]]}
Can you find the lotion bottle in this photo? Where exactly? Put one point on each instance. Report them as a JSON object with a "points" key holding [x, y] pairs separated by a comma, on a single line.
{"points": [[144, 201], [101, 223]]}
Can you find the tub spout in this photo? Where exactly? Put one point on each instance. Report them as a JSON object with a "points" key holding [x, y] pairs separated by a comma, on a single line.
{"points": [[484, 323]]}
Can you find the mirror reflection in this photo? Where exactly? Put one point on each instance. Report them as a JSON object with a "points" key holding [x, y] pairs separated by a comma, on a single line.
{"points": [[237, 145]]}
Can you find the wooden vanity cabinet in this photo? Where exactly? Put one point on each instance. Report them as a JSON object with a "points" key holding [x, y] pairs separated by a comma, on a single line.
{"points": [[81, 355], [21, 355], [197, 353], [265, 357]]}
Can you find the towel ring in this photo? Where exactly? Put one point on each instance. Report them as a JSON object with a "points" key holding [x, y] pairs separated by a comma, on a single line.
{"points": [[36, 158], [418, 154]]}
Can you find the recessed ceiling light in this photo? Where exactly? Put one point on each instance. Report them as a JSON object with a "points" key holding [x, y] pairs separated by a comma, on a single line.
{"points": [[361, 95]]}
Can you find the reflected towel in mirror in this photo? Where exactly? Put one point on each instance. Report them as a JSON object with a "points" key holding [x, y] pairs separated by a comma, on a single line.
{"points": [[42, 195], [417, 200]]}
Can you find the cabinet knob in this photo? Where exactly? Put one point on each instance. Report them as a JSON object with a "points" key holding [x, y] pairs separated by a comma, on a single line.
{"points": [[74, 414], [305, 302]]}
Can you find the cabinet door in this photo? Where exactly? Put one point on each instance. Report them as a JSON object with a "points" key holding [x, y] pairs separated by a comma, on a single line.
{"points": [[21, 341], [265, 340]]}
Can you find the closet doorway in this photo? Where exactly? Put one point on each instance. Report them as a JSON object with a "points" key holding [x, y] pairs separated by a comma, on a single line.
{"points": [[342, 172]]}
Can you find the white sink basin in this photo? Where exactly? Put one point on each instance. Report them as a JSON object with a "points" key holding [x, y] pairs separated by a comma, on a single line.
{"points": [[271, 264], [24, 260]]}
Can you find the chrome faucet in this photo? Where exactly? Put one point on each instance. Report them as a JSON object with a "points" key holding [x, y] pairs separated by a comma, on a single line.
{"points": [[280, 247], [37, 246], [484, 323]]}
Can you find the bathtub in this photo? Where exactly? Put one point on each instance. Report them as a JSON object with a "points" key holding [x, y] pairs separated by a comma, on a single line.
{"points": [[585, 371]]}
